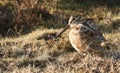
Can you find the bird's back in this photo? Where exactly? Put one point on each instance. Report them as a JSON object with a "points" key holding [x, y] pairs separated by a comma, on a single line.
{"points": [[84, 38]]}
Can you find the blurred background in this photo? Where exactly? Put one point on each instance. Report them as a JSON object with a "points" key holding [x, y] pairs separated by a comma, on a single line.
{"points": [[19, 17]]}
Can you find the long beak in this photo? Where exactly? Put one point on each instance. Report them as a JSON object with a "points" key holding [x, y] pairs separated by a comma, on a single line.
{"points": [[66, 27]]}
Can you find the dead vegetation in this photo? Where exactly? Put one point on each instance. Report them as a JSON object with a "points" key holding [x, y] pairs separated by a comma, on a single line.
{"points": [[37, 52], [48, 56], [19, 15]]}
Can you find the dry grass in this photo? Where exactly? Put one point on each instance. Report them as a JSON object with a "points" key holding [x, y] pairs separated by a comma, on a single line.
{"points": [[26, 54], [36, 53]]}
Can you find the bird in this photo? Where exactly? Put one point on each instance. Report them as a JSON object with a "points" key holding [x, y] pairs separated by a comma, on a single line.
{"points": [[84, 37]]}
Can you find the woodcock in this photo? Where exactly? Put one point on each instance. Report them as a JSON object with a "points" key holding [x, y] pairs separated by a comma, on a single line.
{"points": [[83, 36]]}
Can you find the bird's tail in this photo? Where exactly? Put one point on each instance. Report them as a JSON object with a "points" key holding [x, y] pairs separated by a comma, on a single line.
{"points": [[107, 43]]}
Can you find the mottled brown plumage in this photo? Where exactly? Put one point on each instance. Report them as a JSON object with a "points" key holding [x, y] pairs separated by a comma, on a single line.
{"points": [[83, 36]]}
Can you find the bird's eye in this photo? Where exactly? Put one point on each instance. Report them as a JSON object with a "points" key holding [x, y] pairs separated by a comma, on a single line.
{"points": [[77, 28], [73, 19]]}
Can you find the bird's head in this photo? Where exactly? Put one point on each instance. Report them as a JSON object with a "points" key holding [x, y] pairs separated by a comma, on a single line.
{"points": [[73, 20]]}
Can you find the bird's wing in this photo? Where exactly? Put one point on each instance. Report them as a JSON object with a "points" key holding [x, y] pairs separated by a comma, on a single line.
{"points": [[91, 37], [91, 34]]}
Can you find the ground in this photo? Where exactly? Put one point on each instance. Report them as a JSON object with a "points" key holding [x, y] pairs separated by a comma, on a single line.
{"points": [[33, 53], [37, 52]]}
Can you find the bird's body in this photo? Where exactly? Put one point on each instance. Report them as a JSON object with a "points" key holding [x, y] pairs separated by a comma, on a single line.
{"points": [[84, 37]]}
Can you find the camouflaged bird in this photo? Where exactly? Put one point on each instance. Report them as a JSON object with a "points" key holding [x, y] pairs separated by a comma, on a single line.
{"points": [[83, 36]]}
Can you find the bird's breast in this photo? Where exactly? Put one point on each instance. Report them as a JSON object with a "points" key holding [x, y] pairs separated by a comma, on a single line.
{"points": [[76, 41]]}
